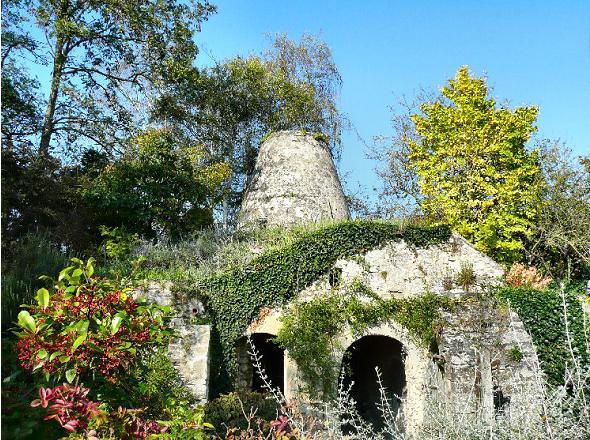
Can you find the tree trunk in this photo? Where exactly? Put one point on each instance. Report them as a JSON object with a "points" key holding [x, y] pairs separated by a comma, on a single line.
{"points": [[58, 65]]}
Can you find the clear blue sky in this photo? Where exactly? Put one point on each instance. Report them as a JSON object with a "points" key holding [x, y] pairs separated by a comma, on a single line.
{"points": [[533, 52]]}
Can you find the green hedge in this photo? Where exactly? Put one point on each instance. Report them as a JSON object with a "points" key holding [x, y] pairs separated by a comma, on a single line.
{"points": [[235, 298], [542, 314]]}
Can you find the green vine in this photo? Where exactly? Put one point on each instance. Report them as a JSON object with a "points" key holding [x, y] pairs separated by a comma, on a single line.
{"points": [[542, 314], [310, 329], [236, 297]]}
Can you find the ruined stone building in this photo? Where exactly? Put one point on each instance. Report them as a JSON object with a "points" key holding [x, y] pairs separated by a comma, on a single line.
{"points": [[295, 182]]}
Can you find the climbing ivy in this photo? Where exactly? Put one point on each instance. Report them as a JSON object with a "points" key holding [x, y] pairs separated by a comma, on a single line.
{"points": [[542, 313], [235, 298], [310, 329]]}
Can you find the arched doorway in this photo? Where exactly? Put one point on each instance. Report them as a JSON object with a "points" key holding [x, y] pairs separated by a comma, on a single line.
{"points": [[359, 363], [272, 359]]}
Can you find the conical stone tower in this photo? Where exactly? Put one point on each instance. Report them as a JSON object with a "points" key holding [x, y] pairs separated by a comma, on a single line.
{"points": [[295, 181]]}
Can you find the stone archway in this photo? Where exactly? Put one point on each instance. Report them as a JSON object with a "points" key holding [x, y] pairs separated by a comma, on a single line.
{"points": [[358, 365], [272, 359]]}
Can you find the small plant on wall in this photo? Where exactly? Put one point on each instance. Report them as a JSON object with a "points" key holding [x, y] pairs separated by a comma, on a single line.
{"points": [[466, 277]]}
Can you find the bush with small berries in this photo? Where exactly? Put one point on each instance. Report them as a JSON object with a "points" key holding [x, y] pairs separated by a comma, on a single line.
{"points": [[88, 330]]}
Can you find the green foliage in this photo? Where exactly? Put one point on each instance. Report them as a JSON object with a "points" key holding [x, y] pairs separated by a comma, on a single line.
{"points": [[310, 329], [87, 329], [156, 383], [20, 106], [561, 244], [515, 354], [473, 166], [227, 411], [321, 137], [235, 297], [117, 242], [39, 196], [33, 255], [163, 186], [183, 422], [542, 313]]}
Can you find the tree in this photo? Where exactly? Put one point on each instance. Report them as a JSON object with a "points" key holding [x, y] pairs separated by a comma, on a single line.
{"points": [[473, 167], [21, 117], [39, 195], [561, 242], [101, 52], [230, 107], [158, 187]]}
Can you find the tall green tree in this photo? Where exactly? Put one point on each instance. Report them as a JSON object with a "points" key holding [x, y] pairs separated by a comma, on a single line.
{"points": [[561, 242], [102, 53], [473, 166], [158, 187], [230, 107]]}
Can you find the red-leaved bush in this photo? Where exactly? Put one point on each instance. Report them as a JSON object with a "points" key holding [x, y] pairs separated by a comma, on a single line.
{"points": [[69, 405], [87, 325]]}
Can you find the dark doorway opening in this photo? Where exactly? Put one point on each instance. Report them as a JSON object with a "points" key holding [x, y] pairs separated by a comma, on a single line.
{"points": [[358, 366], [273, 362]]}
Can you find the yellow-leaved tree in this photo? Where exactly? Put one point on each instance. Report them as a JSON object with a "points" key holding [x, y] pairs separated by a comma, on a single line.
{"points": [[473, 167]]}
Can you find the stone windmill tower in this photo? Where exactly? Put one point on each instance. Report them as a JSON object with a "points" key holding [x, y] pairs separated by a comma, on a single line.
{"points": [[295, 181]]}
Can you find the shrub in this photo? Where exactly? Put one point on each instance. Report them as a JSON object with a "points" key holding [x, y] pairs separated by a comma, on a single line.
{"points": [[227, 411], [157, 382], [68, 405], [521, 275], [466, 277], [87, 327]]}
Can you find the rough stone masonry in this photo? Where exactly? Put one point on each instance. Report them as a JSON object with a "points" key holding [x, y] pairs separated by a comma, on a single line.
{"points": [[295, 181]]}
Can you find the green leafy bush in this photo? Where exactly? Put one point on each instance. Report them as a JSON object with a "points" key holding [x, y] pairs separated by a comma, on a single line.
{"points": [[227, 411], [157, 382], [87, 328]]}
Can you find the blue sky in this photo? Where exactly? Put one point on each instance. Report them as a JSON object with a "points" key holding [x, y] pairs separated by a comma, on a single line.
{"points": [[533, 52]]}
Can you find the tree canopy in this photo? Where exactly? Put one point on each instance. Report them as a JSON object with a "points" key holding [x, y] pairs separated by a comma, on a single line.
{"points": [[474, 168], [158, 187], [103, 55]]}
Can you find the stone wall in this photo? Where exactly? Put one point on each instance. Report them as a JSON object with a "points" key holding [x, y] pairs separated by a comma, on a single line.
{"points": [[294, 181], [484, 358], [484, 361], [486, 353], [189, 349]]}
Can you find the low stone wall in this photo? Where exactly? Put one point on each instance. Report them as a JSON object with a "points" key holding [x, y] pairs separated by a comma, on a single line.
{"points": [[189, 349]]}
